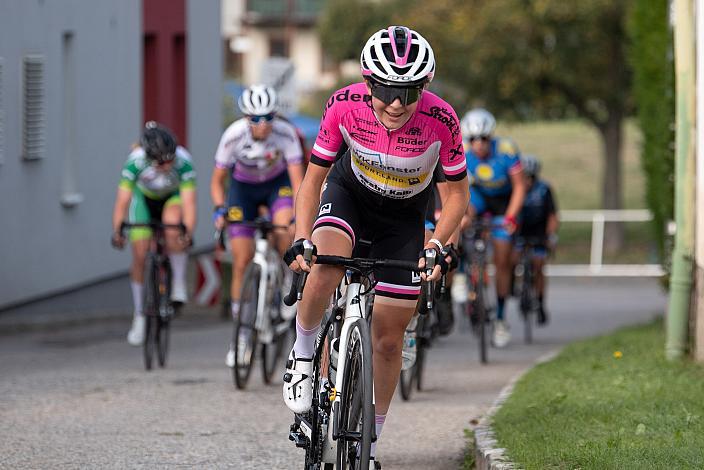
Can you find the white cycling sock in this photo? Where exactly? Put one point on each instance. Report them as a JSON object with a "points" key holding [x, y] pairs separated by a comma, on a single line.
{"points": [[378, 423], [305, 341], [137, 297], [178, 266], [235, 308]]}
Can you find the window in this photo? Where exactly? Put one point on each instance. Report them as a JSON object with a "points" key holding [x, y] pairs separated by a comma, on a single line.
{"points": [[278, 47], [33, 114]]}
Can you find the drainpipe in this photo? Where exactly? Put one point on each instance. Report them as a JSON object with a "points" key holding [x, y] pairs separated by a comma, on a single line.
{"points": [[683, 254]]}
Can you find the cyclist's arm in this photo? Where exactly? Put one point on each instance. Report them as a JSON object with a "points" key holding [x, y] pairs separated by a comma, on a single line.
{"points": [[454, 206], [217, 185], [188, 199], [443, 191], [308, 200], [295, 174], [518, 194], [122, 202]]}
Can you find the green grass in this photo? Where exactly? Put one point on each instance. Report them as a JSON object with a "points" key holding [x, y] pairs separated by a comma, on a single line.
{"points": [[588, 409], [572, 157], [469, 462]]}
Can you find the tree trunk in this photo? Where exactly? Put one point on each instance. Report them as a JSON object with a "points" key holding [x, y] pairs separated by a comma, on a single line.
{"points": [[612, 188]]}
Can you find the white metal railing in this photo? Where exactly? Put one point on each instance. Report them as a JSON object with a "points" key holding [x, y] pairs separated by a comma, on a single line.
{"points": [[596, 266]]}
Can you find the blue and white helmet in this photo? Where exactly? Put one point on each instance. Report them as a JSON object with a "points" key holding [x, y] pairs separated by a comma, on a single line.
{"points": [[257, 100], [531, 165]]}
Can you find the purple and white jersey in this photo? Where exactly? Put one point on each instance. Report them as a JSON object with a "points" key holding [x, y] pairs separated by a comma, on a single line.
{"points": [[258, 161]]}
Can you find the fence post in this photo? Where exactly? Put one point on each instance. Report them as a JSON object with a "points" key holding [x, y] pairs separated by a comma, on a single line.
{"points": [[597, 251]]}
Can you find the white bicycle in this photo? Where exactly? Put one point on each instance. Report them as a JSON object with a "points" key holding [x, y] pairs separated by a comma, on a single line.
{"points": [[338, 430], [260, 320]]}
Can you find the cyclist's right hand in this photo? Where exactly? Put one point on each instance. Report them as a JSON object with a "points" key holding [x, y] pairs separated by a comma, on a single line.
{"points": [[219, 217], [118, 240], [295, 256]]}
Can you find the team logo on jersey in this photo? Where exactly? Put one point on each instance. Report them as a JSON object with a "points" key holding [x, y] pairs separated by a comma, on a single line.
{"points": [[325, 209], [414, 131], [415, 278], [485, 172], [285, 191], [234, 214]]}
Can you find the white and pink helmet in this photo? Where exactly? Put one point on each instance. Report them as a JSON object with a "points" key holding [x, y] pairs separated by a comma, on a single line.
{"points": [[398, 56]]}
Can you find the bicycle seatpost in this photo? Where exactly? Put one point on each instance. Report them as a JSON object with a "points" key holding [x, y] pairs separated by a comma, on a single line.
{"points": [[429, 285]]}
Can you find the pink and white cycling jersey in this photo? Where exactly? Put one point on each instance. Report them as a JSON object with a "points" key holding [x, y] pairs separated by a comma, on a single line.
{"points": [[396, 164], [258, 161]]}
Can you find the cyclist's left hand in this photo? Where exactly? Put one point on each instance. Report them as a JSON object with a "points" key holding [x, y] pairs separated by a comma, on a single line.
{"points": [[186, 240], [437, 270], [451, 258], [510, 224]]}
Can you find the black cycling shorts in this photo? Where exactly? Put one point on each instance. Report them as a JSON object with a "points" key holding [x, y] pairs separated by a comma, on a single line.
{"points": [[394, 234]]}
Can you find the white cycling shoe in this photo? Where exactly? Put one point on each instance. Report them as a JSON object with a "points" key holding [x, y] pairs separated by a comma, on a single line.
{"points": [[298, 383], [136, 334], [502, 335], [179, 293]]}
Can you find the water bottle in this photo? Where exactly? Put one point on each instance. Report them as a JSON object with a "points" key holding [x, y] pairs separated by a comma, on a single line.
{"points": [[334, 353]]}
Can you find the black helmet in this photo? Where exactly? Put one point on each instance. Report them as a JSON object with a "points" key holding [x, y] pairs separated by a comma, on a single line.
{"points": [[158, 142]]}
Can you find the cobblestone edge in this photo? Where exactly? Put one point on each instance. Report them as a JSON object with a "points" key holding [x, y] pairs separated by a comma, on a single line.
{"points": [[488, 455]]}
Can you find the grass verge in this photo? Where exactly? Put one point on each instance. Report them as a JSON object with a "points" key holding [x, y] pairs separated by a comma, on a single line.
{"points": [[612, 402], [469, 462]]}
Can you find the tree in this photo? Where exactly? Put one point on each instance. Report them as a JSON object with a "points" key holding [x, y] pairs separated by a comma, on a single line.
{"points": [[529, 58]]}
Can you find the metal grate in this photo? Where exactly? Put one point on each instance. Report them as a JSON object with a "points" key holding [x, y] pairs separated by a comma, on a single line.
{"points": [[33, 113]]}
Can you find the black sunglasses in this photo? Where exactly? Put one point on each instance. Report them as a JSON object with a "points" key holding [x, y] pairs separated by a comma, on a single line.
{"points": [[257, 119], [388, 94], [483, 138]]}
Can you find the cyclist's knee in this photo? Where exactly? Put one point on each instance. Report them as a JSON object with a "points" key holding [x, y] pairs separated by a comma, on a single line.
{"points": [[388, 345]]}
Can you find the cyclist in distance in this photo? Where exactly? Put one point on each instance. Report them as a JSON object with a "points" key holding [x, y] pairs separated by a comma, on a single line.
{"points": [[396, 132], [261, 155], [539, 219], [158, 183], [497, 189]]}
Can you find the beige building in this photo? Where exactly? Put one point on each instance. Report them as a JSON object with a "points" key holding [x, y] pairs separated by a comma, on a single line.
{"points": [[255, 30]]}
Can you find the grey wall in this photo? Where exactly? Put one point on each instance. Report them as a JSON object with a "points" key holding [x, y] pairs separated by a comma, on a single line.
{"points": [[44, 246], [205, 88]]}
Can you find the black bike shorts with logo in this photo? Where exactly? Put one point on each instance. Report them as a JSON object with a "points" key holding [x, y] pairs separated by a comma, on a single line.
{"points": [[394, 232]]}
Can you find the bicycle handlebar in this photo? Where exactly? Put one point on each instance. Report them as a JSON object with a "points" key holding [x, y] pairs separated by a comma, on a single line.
{"points": [[362, 264], [152, 225]]}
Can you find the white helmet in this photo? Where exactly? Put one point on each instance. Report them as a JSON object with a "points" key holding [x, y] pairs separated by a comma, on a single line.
{"points": [[257, 100], [398, 56], [531, 165], [478, 122]]}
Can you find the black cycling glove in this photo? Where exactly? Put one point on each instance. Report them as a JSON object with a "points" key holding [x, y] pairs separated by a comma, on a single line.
{"points": [[297, 249], [451, 251]]}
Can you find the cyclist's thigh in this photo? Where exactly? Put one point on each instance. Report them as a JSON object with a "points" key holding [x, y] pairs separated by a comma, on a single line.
{"points": [[242, 201], [139, 213], [280, 198], [339, 218], [400, 238]]}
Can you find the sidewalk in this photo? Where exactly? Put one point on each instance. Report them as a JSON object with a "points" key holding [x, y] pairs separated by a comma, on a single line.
{"points": [[109, 300]]}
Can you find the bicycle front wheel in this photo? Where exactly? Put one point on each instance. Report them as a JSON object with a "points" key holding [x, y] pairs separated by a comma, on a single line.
{"points": [[482, 320], [162, 339], [244, 338], [150, 307], [355, 413]]}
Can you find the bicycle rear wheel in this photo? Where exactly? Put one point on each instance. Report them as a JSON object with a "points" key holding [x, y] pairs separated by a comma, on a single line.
{"points": [[244, 338], [406, 380], [164, 318], [354, 414]]}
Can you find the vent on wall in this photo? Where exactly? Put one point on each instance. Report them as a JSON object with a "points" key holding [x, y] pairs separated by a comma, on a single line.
{"points": [[2, 117], [33, 115]]}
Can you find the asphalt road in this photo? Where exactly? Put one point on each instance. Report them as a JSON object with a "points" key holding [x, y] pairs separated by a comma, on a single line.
{"points": [[78, 397]]}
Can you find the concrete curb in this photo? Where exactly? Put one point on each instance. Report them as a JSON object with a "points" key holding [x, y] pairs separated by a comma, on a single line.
{"points": [[488, 455]]}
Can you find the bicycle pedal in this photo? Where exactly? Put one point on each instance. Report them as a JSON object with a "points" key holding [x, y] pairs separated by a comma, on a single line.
{"points": [[297, 436]]}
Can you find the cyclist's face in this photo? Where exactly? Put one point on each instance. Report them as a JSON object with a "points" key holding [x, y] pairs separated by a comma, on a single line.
{"points": [[393, 115], [165, 166], [260, 130], [480, 146]]}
